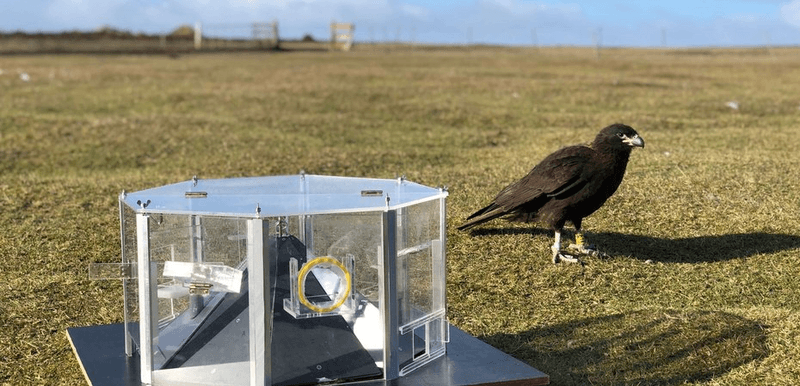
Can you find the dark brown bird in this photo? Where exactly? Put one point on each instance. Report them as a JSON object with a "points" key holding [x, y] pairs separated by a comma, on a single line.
{"points": [[566, 186]]}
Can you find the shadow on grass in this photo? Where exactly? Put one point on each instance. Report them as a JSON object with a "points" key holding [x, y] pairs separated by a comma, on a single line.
{"points": [[648, 347], [696, 249], [683, 250]]}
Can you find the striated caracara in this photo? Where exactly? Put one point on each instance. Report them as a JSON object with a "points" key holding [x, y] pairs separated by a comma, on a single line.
{"points": [[566, 186]]}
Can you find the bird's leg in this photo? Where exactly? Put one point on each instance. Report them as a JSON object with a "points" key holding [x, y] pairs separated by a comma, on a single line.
{"points": [[581, 247], [556, 248], [557, 255]]}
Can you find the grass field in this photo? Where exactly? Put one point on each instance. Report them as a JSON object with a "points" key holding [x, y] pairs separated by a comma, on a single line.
{"points": [[701, 286]]}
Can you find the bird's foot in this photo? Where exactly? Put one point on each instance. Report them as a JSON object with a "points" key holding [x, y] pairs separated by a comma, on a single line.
{"points": [[586, 250], [558, 257]]}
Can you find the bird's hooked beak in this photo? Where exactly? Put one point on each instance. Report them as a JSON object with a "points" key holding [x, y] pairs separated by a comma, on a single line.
{"points": [[636, 140]]}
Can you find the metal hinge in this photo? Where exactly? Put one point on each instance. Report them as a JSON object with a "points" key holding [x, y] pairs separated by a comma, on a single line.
{"points": [[199, 288]]}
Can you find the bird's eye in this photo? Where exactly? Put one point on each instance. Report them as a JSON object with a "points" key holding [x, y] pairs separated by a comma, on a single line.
{"points": [[620, 135]]}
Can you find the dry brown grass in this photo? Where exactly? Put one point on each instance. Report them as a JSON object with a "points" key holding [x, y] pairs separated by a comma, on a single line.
{"points": [[703, 233]]}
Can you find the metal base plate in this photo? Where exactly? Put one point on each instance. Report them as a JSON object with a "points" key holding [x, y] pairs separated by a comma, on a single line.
{"points": [[469, 361]]}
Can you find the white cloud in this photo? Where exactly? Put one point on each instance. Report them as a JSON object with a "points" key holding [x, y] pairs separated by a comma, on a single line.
{"points": [[416, 11], [743, 18], [68, 14], [790, 13]]}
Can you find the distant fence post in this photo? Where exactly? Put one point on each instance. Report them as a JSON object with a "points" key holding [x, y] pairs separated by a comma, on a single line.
{"points": [[275, 33], [597, 38], [263, 32], [333, 35], [198, 35], [341, 36]]}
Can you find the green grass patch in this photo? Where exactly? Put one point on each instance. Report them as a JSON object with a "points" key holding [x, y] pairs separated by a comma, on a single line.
{"points": [[703, 234]]}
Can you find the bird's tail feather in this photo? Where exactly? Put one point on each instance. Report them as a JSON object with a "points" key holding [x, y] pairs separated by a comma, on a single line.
{"points": [[490, 212]]}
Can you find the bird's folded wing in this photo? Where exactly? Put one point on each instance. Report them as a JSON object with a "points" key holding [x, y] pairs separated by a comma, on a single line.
{"points": [[558, 175]]}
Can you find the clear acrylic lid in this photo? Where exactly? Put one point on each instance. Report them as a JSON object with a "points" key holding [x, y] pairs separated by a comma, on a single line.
{"points": [[280, 196]]}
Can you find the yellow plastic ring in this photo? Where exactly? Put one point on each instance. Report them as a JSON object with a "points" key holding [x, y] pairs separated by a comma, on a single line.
{"points": [[301, 280]]}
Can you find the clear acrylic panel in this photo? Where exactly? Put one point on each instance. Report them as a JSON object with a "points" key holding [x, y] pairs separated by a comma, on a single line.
{"points": [[354, 239], [281, 195], [199, 329], [418, 236], [130, 290], [421, 284], [191, 254]]}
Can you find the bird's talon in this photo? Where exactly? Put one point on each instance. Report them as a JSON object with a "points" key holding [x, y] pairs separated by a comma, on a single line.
{"points": [[588, 250], [558, 257]]}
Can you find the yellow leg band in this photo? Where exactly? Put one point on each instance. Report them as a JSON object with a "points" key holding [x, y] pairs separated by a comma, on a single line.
{"points": [[579, 239]]}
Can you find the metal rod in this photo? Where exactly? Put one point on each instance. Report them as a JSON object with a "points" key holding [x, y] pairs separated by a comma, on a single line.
{"points": [[125, 285], [389, 306], [196, 301], [260, 302], [145, 311], [440, 258]]}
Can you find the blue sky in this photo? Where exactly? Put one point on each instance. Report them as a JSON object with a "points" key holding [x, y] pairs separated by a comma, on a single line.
{"points": [[642, 23]]}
